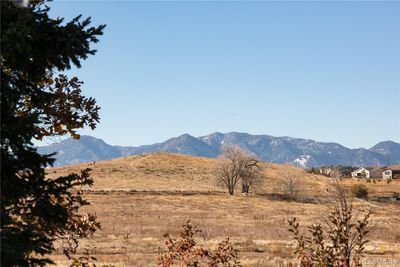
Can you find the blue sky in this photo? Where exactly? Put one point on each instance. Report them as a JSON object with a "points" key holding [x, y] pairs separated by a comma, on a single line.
{"points": [[327, 71]]}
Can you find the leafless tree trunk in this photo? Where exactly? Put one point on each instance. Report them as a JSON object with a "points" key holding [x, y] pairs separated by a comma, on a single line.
{"points": [[250, 174], [228, 175]]}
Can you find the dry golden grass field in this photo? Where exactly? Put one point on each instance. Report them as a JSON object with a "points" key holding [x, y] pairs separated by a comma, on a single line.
{"points": [[138, 199]]}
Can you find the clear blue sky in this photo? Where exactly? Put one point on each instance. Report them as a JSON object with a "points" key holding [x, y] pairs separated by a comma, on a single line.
{"points": [[328, 71]]}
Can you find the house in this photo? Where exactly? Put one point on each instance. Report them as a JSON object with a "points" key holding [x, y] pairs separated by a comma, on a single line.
{"points": [[368, 172], [338, 171], [392, 172], [345, 171], [361, 173]]}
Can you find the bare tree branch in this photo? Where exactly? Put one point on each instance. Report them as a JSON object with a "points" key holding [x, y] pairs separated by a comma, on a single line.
{"points": [[236, 165]]}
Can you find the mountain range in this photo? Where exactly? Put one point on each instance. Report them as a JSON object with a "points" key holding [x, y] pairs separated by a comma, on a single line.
{"points": [[301, 152]]}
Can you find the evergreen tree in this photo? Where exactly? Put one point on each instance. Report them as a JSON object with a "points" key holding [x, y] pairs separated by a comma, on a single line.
{"points": [[38, 101]]}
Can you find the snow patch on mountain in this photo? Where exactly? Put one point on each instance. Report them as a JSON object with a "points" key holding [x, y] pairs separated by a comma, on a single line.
{"points": [[302, 160]]}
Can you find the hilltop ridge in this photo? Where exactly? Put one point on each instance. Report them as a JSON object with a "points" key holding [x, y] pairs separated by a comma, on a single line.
{"points": [[297, 151]]}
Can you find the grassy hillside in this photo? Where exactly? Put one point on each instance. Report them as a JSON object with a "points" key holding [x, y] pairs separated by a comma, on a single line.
{"points": [[138, 199], [175, 172]]}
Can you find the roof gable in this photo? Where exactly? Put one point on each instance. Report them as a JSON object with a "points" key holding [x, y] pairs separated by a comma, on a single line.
{"points": [[361, 169]]}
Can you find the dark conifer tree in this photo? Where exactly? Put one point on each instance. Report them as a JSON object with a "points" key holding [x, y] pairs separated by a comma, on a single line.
{"points": [[38, 101]]}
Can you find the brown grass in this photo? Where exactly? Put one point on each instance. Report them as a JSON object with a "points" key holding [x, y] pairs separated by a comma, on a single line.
{"points": [[139, 199]]}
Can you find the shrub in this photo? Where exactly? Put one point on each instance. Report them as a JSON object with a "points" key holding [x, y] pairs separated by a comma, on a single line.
{"points": [[337, 240], [359, 191], [185, 252]]}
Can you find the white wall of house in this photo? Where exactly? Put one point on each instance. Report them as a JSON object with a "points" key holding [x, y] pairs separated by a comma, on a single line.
{"points": [[361, 173], [387, 175]]}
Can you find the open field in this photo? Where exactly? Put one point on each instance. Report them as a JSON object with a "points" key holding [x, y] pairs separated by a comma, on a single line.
{"points": [[139, 199]]}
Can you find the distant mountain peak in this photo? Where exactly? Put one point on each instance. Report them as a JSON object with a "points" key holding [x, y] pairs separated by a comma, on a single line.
{"points": [[185, 137], [386, 144], [298, 151]]}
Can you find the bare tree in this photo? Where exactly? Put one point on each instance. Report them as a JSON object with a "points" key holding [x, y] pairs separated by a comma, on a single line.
{"points": [[251, 173], [290, 184], [228, 172], [236, 165]]}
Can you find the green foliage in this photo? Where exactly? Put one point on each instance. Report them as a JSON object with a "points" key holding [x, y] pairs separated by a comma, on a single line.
{"points": [[35, 103], [186, 252], [359, 191]]}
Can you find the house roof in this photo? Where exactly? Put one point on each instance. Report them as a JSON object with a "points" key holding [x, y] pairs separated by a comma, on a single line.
{"points": [[393, 167], [365, 168]]}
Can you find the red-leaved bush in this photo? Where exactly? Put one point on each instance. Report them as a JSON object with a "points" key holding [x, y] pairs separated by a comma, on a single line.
{"points": [[185, 252]]}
